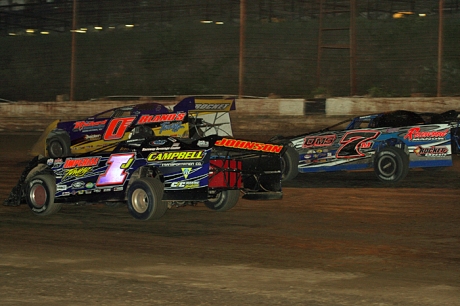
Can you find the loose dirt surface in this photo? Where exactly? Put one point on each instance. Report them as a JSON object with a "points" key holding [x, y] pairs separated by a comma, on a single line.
{"points": [[334, 239]]}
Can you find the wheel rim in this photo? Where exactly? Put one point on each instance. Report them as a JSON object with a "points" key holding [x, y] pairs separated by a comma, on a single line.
{"points": [[38, 195], [217, 201], [283, 168], [140, 201], [56, 149], [387, 166]]}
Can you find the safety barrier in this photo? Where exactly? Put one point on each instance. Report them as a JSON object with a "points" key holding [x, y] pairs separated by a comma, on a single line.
{"points": [[261, 118]]}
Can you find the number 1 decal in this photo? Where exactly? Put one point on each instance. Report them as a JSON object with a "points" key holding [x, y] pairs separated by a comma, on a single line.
{"points": [[352, 142], [116, 170]]}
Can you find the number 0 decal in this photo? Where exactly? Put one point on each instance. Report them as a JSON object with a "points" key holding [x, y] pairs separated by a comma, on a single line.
{"points": [[352, 142], [116, 170], [117, 128]]}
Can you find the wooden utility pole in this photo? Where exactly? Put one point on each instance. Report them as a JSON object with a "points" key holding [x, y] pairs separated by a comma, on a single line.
{"points": [[353, 45], [440, 48], [242, 39], [325, 8], [72, 56]]}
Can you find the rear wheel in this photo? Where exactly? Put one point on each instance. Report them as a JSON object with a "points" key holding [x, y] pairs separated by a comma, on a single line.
{"points": [[145, 199], [40, 192], [57, 146], [289, 164], [224, 200], [391, 164]]}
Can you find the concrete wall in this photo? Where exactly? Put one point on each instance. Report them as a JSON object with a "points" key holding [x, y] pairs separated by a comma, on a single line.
{"points": [[261, 118]]}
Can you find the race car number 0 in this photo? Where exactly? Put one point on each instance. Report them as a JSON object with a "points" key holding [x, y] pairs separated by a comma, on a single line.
{"points": [[117, 128]]}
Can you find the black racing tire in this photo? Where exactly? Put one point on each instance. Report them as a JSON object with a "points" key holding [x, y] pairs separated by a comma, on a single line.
{"points": [[40, 192], [289, 164], [145, 199], [391, 164], [57, 146], [224, 200]]}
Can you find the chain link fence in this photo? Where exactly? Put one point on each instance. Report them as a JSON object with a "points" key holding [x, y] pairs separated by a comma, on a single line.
{"points": [[172, 47]]}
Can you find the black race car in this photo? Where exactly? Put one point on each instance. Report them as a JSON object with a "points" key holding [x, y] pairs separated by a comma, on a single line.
{"points": [[154, 173]]}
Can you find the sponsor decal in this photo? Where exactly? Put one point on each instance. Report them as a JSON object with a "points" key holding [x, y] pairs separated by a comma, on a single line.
{"points": [[186, 184], [145, 119], [182, 164], [157, 142], [249, 145], [76, 172], [431, 151], [186, 172], [414, 134], [212, 106], [174, 127], [93, 137], [60, 187], [78, 184], [89, 185], [318, 141], [203, 143], [167, 156], [58, 162], [81, 162], [175, 146], [391, 130], [85, 125]]}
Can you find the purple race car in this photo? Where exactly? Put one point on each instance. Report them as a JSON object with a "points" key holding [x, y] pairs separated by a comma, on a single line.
{"points": [[191, 118]]}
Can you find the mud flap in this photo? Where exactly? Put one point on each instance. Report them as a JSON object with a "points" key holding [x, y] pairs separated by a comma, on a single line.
{"points": [[17, 193]]}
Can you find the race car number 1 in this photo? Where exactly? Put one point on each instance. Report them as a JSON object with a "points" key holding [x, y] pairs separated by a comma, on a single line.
{"points": [[116, 170]]}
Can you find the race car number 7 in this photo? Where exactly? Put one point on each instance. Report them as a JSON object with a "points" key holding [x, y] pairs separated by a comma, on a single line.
{"points": [[353, 142]]}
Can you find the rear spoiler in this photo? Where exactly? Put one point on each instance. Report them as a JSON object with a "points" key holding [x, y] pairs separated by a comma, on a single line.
{"points": [[261, 165], [191, 104]]}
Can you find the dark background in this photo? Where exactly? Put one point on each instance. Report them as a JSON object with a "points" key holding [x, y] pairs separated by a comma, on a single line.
{"points": [[169, 51]]}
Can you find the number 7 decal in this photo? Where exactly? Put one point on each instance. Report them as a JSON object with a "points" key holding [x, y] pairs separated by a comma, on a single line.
{"points": [[116, 170], [352, 142]]}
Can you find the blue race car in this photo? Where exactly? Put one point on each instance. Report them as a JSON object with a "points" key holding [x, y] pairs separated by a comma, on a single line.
{"points": [[390, 143]]}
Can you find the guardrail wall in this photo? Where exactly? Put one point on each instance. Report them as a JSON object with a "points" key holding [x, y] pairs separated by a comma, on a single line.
{"points": [[259, 118]]}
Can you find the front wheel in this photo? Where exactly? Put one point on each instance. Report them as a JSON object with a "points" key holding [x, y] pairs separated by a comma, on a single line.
{"points": [[391, 164], [145, 199], [224, 200], [40, 192]]}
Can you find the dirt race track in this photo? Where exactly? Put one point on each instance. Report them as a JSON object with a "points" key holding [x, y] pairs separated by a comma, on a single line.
{"points": [[335, 239]]}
